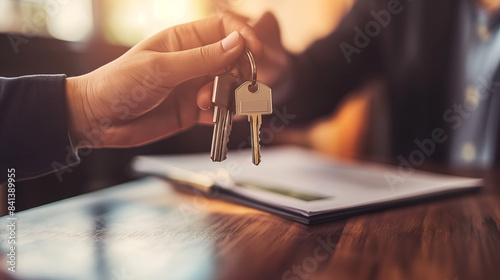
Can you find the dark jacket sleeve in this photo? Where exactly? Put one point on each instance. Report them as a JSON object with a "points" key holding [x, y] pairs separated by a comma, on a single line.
{"points": [[335, 65], [34, 138]]}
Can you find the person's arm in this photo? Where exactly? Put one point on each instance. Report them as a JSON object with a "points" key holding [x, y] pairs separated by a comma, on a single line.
{"points": [[335, 65], [147, 94], [33, 126]]}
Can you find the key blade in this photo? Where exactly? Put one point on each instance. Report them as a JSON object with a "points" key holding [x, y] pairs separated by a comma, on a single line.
{"points": [[255, 124], [217, 152], [214, 152], [220, 137], [227, 131], [223, 100]]}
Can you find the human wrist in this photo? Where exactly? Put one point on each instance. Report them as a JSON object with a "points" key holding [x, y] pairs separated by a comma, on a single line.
{"points": [[78, 121]]}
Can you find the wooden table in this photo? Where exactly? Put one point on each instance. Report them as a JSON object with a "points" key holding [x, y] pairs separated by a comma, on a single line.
{"points": [[147, 230]]}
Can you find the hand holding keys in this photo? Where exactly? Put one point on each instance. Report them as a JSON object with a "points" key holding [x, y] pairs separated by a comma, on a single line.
{"points": [[251, 98]]}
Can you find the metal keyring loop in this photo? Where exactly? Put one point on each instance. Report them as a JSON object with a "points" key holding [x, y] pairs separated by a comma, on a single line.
{"points": [[253, 67]]}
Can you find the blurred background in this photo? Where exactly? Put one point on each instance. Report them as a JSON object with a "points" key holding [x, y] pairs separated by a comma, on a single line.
{"points": [[74, 37], [126, 22]]}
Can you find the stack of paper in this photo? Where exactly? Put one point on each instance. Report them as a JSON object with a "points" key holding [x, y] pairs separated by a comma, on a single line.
{"points": [[302, 185]]}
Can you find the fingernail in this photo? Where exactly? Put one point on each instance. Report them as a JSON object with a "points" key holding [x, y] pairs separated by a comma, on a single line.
{"points": [[230, 41]]}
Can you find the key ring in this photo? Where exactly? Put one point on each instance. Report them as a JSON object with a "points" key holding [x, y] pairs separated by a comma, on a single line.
{"points": [[253, 67]]}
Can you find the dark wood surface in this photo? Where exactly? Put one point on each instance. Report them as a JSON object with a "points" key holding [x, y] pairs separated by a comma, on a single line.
{"points": [[147, 230]]}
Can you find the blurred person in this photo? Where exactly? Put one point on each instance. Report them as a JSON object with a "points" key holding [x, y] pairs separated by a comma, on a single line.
{"points": [[435, 63], [145, 95]]}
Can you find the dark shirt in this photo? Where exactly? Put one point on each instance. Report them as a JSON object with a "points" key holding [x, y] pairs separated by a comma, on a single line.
{"points": [[34, 136], [440, 63]]}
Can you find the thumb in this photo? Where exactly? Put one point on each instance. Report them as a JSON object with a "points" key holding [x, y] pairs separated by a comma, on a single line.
{"points": [[205, 60]]}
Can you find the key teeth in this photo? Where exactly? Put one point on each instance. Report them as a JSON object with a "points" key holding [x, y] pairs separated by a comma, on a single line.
{"points": [[259, 146], [225, 148], [229, 128], [222, 128]]}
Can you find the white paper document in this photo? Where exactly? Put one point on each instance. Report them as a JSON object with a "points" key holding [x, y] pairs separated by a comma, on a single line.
{"points": [[303, 185]]}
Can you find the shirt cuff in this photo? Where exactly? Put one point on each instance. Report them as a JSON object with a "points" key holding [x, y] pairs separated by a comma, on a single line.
{"points": [[34, 138]]}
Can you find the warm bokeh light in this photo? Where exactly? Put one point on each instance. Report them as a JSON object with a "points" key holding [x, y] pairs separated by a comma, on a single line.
{"points": [[71, 21], [127, 22], [301, 22], [340, 134], [64, 20], [171, 10], [6, 19]]}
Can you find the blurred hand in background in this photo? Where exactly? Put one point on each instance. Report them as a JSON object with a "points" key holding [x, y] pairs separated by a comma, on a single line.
{"points": [[273, 64]]}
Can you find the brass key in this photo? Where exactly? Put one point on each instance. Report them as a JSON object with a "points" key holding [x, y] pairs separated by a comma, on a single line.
{"points": [[254, 105]]}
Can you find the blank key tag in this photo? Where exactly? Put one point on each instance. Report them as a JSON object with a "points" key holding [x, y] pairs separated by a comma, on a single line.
{"points": [[254, 105], [258, 102]]}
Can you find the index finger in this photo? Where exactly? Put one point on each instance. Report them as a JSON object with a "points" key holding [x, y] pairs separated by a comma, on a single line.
{"points": [[252, 41]]}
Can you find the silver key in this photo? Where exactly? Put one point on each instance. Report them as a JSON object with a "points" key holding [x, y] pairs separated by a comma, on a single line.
{"points": [[223, 99], [254, 105]]}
